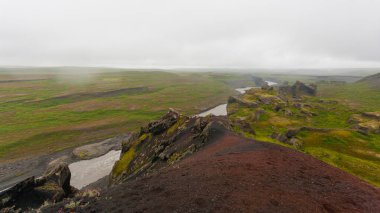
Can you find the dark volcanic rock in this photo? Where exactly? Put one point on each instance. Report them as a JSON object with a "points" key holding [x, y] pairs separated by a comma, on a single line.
{"points": [[32, 192], [162, 124], [259, 81], [243, 125], [164, 142], [299, 89], [9, 196], [60, 174]]}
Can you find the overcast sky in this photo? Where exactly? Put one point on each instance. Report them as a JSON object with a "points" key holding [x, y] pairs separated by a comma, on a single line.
{"points": [[191, 33]]}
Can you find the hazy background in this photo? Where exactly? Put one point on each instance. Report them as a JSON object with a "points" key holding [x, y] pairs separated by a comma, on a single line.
{"points": [[197, 33]]}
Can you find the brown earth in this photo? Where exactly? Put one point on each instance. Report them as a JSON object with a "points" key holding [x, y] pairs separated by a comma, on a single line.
{"points": [[235, 174]]}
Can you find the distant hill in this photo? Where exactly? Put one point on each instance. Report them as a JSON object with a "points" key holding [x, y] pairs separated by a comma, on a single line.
{"points": [[373, 80]]}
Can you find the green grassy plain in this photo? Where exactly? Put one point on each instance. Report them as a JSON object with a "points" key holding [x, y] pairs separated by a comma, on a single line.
{"points": [[47, 110], [361, 96]]}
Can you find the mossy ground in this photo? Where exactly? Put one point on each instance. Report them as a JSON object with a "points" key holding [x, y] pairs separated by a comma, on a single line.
{"points": [[341, 146]]}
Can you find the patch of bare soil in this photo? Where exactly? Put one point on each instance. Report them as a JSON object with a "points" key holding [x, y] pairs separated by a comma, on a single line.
{"points": [[234, 174]]}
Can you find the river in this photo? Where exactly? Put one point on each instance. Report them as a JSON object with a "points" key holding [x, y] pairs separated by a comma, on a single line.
{"points": [[82, 172], [222, 109]]}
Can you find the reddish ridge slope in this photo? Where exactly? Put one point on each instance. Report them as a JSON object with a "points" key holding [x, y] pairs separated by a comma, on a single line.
{"points": [[234, 174]]}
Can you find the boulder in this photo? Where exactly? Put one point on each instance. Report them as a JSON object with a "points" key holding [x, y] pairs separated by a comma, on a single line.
{"points": [[257, 115], [32, 192], [295, 142], [278, 107], [270, 99], [372, 115], [258, 81], [355, 119], [288, 112], [251, 104], [60, 174], [244, 126], [369, 127], [289, 138], [266, 86], [10, 196], [292, 132], [299, 89], [162, 124], [366, 122]]}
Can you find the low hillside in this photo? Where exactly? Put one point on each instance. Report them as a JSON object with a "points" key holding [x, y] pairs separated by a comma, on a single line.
{"points": [[362, 95], [339, 135], [180, 164], [373, 80]]}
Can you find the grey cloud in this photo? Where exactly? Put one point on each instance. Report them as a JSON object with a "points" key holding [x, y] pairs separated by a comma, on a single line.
{"points": [[198, 33]]}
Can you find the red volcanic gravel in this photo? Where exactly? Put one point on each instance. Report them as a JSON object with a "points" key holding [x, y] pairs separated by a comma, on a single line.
{"points": [[234, 174]]}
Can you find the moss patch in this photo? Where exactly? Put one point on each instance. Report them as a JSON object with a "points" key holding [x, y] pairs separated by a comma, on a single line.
{"points": [[334, 137], [123, 164], [365, 169]]}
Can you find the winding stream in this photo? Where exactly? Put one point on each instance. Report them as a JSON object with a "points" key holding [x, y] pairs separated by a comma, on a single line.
{"points": [[222, 109], [85, 172]]}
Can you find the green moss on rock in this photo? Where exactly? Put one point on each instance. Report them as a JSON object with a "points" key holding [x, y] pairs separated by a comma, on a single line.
{"points": [[124, 162]]}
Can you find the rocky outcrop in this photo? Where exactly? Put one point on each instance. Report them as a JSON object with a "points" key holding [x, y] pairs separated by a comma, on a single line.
{"points": [[259, 81], [288, 139], [162, 124], [32, 192], [298, 90], [232, 99], [164, 142], [372, 115], [366, 122]]}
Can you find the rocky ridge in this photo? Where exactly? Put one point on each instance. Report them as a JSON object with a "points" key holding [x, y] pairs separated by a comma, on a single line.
{"points": [[163, 142], [224, 172]]}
